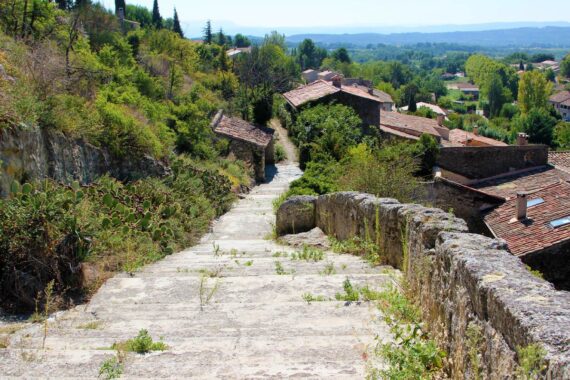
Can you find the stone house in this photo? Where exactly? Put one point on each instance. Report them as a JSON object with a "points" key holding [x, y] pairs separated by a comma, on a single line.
{"points": [[364, 102], [512, 193], [561, 103], [247, 142], [411, 127]]}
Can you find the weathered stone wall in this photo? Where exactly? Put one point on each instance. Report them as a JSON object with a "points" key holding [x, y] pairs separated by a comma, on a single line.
{"points": [[28, 154], [253, 157], [368, 110], [485, 162], [465, 203], [553, 263], [461, 281]]}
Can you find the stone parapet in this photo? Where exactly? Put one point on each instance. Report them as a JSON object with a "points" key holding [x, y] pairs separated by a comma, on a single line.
{"points": [[461, 281]]}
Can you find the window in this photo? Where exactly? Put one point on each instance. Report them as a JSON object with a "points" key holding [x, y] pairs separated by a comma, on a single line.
{"points": [[560, 222], [534, 202]]}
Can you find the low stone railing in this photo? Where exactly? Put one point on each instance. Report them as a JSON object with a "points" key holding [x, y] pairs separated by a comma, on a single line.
{"points": [[462, 281]]}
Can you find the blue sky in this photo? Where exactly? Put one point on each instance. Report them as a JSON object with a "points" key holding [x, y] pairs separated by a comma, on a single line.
{"points": [[312, 14]]}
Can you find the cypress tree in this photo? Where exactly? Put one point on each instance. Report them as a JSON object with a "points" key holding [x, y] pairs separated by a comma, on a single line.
{"points": [[156, 18], [176, 27], [208, 33], [62, 4], [120, 4]]}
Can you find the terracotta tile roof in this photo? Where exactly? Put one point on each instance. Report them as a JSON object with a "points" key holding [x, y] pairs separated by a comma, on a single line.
{"points": [[398, 133], [360, 92], [310, 92], [412, 125], [526, 181], [320, 89], [460, 137], [534, 233], [238, 129], [383, 96], [560, 160], [560, 97]]}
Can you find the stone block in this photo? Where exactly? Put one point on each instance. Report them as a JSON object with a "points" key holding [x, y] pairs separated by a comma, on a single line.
{"points": [[296, 214]]}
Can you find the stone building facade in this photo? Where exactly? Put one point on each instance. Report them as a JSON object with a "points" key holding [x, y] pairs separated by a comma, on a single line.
{"points": [[249, 143]]}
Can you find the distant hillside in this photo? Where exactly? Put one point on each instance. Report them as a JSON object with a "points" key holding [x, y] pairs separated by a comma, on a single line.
{"points": [[520, 37]]}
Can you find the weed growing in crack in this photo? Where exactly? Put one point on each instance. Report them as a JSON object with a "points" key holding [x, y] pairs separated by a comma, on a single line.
{"points": [[412, 354], [217, 250], [350, 292], [309, 254], [328, 270], [141, 344], [474, 336], [308, 297], [207, 293], [111, 368], [531, 362], [95, 325], [280, 270]]}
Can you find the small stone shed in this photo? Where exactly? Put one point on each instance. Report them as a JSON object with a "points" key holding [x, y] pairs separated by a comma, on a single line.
{"points": [[250, 143]]}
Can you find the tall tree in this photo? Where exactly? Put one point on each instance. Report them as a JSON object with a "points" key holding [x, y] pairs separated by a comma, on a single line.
{"points": [[62, 4], [538, 124], [534, 90], [176, 27], [565, 66], [120, 4], [241, 41], [221, 38], [208, 33], [495, 94], [341, 55], [156, 18]]}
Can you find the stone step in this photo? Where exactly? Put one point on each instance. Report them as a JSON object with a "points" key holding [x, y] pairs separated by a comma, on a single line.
{"points": [[266, 288], [257, 325], [223, 358]]}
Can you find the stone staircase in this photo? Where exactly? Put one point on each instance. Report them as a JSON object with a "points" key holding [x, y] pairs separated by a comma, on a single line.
{"points": [[255, 325]]}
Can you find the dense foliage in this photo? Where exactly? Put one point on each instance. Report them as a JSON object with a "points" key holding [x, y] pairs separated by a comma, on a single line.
{"points": [[338, 155], [54, 232], [72, 67]]}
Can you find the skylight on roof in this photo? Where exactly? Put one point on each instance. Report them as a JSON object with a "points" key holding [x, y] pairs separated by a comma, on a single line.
{"points": [[560, 222], [534, 202]]}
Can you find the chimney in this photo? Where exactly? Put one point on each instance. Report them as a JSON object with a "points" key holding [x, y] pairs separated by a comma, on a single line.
{"points": [[337, 81], [370, 91], [476, 130], [522, 139], [521, 206], [440, 120]]}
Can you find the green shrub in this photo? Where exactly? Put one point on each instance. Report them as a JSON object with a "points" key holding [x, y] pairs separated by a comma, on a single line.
{"points": [[280, 154], [47, 230], [141, 344]]}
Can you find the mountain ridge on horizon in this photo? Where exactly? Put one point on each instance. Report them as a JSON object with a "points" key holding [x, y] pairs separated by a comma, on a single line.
{"points": [[194, 28]]}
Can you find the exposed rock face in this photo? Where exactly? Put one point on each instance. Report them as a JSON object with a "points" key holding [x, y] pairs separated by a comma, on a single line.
{"points": [[314, 238], [296, 215], [28, 154], [461, 280]]}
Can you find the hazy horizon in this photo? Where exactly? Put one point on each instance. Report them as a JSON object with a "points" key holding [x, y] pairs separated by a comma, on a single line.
{"points": [[257, 17]]}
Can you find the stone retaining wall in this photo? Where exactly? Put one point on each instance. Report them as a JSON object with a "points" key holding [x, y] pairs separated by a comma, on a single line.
{"points": [[462, 281], [29, 154]]}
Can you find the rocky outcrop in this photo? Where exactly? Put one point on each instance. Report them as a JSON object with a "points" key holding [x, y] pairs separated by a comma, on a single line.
{"points": [[296, 215], [28, 154], [314, 238], [463, 282]]}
